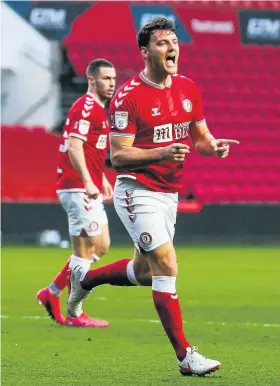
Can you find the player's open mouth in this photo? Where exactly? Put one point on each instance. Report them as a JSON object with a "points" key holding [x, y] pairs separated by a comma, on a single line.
{"points": [[171, 60]]}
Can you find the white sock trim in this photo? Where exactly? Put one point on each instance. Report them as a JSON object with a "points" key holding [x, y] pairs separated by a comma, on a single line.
{"points": [[54, 289], [81, 262], [165, 284], [75, 260], [130, 273]]}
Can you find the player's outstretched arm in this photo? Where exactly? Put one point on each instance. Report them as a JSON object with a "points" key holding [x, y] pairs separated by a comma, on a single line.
{"points": [[125, 156], [207, 145], [78, 161]]}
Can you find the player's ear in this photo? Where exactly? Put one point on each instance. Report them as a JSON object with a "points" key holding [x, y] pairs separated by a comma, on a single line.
{"points": [[91, 79], [144, 52]]}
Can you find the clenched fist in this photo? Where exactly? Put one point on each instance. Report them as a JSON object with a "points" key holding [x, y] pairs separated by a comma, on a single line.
{"points": [[91, 190], [176, 152]]}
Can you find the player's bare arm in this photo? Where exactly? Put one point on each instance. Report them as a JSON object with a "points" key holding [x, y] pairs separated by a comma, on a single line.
{"points": [[205, 144], [77, 158], [125, 155], [107, 189]]}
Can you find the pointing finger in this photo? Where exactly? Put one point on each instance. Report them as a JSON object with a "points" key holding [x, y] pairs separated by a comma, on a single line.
{"points": [[229, 141]]}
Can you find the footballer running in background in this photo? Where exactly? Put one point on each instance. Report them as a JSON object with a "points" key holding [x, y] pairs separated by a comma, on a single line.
{"points": [[82, 186], [155, 115]]}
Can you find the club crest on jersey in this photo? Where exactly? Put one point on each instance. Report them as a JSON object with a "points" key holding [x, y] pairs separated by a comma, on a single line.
{"points": [[121, 120], [187, 104], [83, 126], [93, 226], [146, 239]]}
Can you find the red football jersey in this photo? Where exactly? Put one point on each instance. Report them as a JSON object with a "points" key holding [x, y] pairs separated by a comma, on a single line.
{"points": [[86, 120], [156, 116]]}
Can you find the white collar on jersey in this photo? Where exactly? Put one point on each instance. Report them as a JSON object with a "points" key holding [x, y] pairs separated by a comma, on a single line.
{"points": [[150, 83], [95, 98]]}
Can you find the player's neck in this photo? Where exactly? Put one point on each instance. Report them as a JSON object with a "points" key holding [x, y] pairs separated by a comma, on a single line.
{"points": [[159, 79], [101, 101]]}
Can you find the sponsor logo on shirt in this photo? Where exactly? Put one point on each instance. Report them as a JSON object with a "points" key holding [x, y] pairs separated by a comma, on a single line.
{"points": [[101, 142], [164, 133], [181, 129]]}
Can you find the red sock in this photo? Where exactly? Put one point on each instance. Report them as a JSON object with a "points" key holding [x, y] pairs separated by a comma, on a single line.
{"points": [[114, 274], [62, 279], [169, 311]]}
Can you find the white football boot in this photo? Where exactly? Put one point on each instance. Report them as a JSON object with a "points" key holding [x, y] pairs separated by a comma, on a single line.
{"points": [[196, 364], [77, 293]]}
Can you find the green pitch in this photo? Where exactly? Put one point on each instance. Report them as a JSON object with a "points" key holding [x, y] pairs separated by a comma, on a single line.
{"points": [[231, 309]]}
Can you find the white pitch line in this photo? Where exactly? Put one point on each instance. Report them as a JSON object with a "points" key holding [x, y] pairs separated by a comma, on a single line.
{"points": [[35, 317], [219, 323], [247, 324]]}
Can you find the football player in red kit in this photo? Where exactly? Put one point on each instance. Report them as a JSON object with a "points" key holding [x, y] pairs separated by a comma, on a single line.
{"points": [[155, 115], [82, 185]]}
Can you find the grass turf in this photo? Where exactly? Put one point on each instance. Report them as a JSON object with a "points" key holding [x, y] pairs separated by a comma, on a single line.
{"points": [[230, 304]]}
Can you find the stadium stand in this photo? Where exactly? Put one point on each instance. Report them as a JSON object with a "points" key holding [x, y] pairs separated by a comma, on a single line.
{"points": [[240, 85]]}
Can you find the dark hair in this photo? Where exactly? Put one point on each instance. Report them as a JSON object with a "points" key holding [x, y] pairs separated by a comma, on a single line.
{"points": [[94, 66], [144, 35]]}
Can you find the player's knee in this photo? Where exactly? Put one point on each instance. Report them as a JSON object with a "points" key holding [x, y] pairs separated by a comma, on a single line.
{"points": [[102, 251], [163, 261], [167, 267], [87, 247], [145, 278], [103, 248], [143, 274], [84, 253]]}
